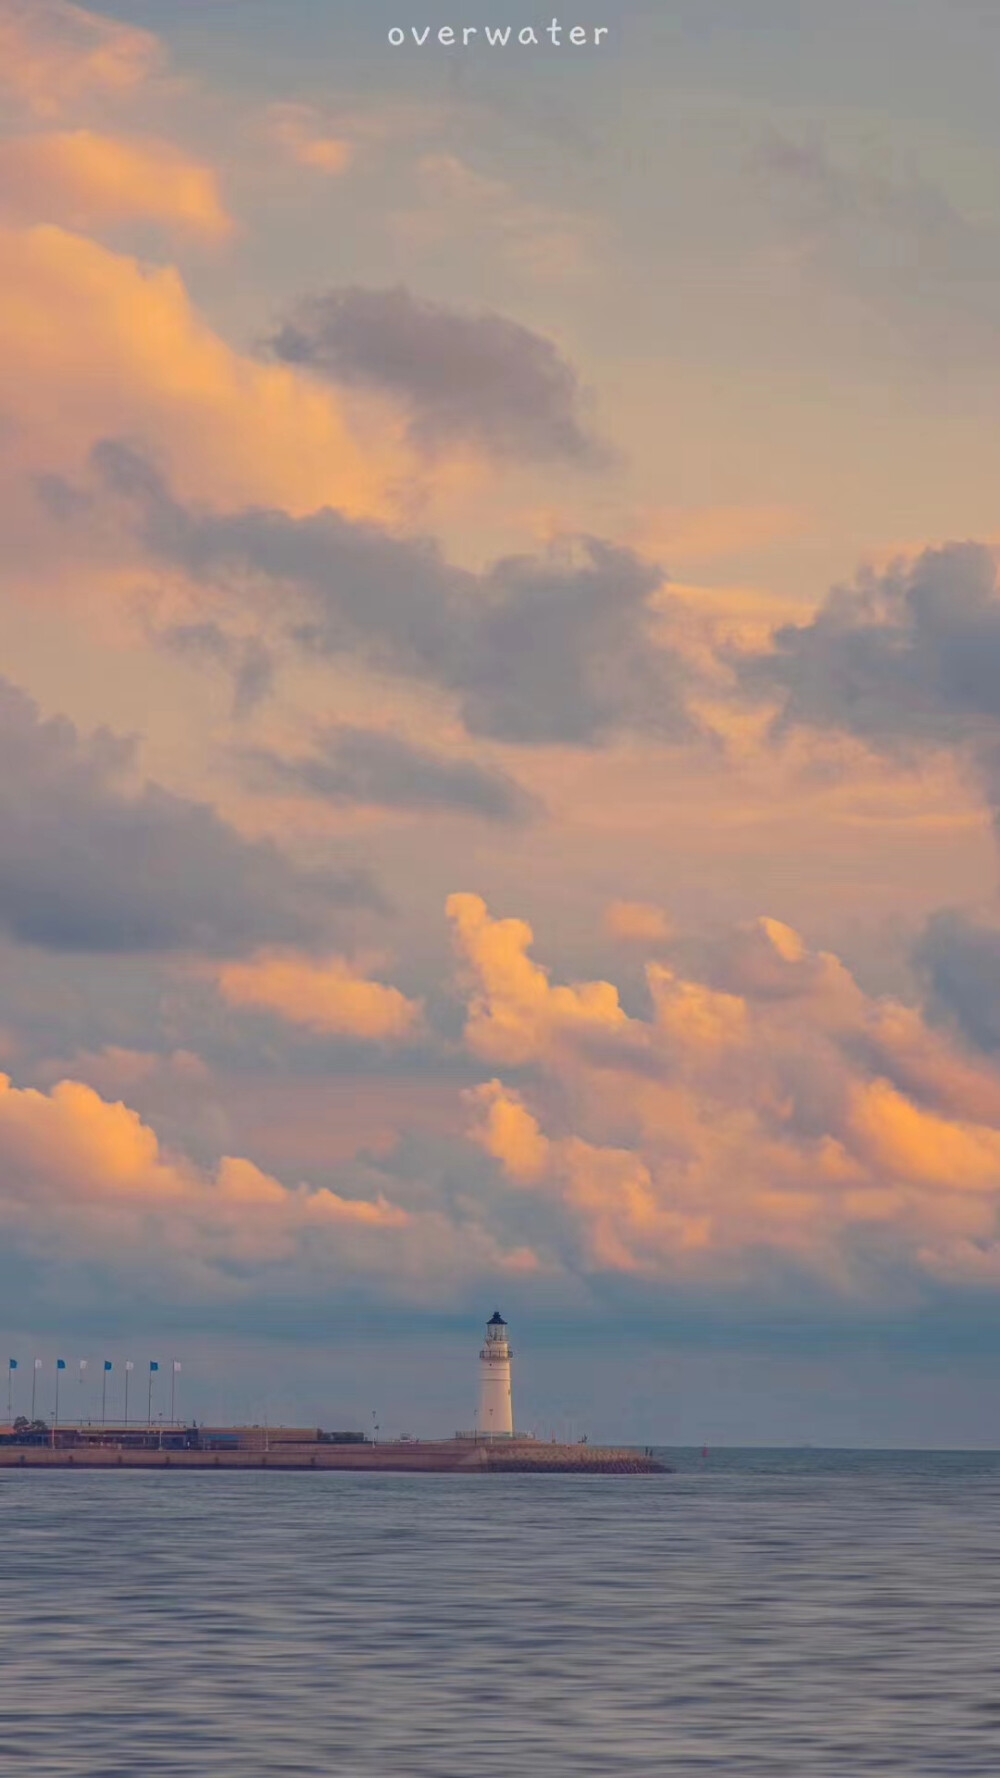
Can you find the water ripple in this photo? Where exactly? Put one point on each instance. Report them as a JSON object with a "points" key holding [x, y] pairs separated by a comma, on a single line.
{"points": [[805, 1616]]}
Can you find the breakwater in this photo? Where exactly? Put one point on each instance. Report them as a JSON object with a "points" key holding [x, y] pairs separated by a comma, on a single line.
{"points": [[453, 1456]]}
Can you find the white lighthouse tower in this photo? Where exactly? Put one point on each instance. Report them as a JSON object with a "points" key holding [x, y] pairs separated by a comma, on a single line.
{"points": [[496, 1412]]}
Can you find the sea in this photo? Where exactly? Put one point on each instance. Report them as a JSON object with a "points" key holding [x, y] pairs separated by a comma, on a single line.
{"points": [[799, 1613]]}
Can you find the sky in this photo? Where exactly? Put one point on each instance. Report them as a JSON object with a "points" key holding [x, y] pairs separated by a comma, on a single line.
{"points": [[500, 712]]}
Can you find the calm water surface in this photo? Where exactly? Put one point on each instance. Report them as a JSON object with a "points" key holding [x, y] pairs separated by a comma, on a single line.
{"points": [[766, 1613]]}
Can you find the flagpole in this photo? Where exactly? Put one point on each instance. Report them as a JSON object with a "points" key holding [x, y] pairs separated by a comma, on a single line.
{"points": [[104, 1393], [34, 1379], [11, 1367], [128, 1367], [55, 1421]]}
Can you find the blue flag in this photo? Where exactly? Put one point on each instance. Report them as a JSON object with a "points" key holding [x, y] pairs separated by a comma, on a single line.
{"points": [[153, 1365], [107, 1364], [60, 1364], [12, 1364]]}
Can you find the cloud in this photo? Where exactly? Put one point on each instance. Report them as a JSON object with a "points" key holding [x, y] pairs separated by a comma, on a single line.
{"points": [[562, 648], [913, 654], [451, 202], [514, 1012], [476, 379], [908, 1142], [508, 1132], [798, 1133], [87, 1189], [87, 864], [795, 1128], [331, 997], [637, 922], [565, 652], [836, 198], [696, 1017], [115, 1069], [84, 180], [376, 768], [71, 1150], [246, 658], [608, 1193], [297, 130], [960, 958], [876, 223], [98, 342], [907, 661], [706, 534], [54, 54], [769, 960]]}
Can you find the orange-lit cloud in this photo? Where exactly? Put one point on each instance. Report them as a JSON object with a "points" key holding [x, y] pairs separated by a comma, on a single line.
{"points": [[771, 1118], [84, 180], [99, 345], [73, 1134], [82, 1178], [775, 1111], [692, 1015], [620, 1222], [508, 1131], [54, 54], [72, 1148], [514, 1012], [331, 997], [910, 1142]]}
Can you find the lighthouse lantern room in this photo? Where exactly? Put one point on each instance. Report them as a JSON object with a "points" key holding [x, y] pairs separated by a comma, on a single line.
{"points": [[496, 1412]]}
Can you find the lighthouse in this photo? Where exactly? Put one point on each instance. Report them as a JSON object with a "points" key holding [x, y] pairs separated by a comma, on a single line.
{"points": [[496, 1412]]}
